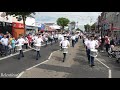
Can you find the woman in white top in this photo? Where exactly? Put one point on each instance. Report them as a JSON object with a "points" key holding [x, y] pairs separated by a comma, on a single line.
{"points": [[65, 44]]}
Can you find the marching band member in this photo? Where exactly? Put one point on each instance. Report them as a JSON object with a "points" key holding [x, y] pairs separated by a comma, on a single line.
{"points": [[56, 37], [38, 42], [65, 44], [20, 42], [92, 45], [73, 40]]}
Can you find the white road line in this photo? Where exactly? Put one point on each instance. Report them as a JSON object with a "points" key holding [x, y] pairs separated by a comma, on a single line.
{"points": [[34, 66], [18, 53], [110, 74], [20, 75], [109, 70], [102, 63], [50, 56], [37, 65]]}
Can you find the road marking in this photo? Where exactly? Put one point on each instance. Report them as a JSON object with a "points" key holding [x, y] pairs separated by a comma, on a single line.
{"points": [[35, 65], [50, 56], [18, 53], [109, 70], [20, 75]]}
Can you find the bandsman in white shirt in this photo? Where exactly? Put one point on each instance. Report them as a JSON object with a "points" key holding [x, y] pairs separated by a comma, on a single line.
{"points": [[20, 42], [73, 40], [65, 44], [76, 37], [91, 45], [56, 37], [38, 43]]}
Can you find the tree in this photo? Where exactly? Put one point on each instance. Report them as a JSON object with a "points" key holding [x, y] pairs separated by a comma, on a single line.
{"points": [[21, 16], [62, 22], [93, 27], [87, 27]]}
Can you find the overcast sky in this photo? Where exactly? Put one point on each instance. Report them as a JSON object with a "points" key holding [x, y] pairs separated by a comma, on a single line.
{"points": [[81, 17]]}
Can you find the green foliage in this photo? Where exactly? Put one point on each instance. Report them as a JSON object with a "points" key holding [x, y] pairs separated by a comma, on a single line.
{"points": [[87, 27], [62, 22]]}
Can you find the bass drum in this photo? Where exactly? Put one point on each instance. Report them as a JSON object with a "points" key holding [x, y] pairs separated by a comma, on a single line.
{"points": [[93, 52], [18, 47], [37, 47]]}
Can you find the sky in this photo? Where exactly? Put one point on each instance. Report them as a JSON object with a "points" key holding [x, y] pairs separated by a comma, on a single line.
{"points": [[81, 17]]}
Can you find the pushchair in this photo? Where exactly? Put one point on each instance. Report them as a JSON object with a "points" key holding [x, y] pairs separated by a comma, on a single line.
{"points": [[115, 53]]}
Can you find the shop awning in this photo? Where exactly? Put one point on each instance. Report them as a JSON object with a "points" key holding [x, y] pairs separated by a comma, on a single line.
{"points": [[115, 28]]}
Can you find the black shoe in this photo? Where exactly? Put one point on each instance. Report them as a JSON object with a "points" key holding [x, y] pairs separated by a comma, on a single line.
{"points": [[36, 58], [92, 65], [22, 56], [18, 58]]}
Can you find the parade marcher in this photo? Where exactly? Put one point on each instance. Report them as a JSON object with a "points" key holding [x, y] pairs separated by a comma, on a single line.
{"points": [[26, 42], [73, 40], [76, 37], [51, 38], [20, 42], [56, 37], [65, 44], [46, 39], [38, 43], [87, 42], [92, 46]]}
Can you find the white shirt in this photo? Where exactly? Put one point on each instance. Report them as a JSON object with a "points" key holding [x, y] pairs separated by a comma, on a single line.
{"points": [[65, 43], [20, 41], [92, 44], [55, 36], [4, 41], [39, 41], [87, 42], [73, 37], [76, 36]]}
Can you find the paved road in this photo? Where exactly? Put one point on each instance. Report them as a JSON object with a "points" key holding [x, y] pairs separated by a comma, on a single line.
{"points": [[14, 66]]}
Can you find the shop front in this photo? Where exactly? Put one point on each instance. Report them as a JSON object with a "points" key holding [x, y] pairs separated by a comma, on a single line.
{"points": [[30, 29], [5, 27], [17, 29]]}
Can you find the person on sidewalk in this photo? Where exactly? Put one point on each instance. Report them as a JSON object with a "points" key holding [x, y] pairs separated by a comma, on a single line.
{"points": [[5, 42], [65, 44], [38, 43], [20, 42], [107, 43]]}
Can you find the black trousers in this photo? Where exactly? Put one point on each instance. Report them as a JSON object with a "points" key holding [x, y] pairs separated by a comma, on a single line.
{"points": [[73, 43], [107, 47], [38, 55], [64, 56], [46, 42], [26, 45], [20, 54], [51, 40]]}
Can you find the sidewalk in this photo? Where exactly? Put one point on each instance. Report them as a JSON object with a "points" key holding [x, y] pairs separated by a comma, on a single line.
{"points": [[54, 68]]}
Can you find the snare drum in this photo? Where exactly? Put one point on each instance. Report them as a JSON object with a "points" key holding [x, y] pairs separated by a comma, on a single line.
{"points": [[64, 50], [93, 52], [18, 47], [37, 47]]}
